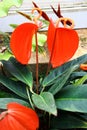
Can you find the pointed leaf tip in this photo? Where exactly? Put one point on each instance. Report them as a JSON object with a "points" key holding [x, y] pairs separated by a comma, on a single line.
{"points": [[45, 101]]}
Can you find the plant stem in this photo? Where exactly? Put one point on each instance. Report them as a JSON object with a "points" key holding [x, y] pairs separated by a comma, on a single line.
{"points": [[37, 84], [53, 46], [49, 119], [29, 97]]}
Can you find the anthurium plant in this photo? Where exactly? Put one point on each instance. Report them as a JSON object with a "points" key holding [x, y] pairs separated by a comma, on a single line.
{"points": [[58, 99]]}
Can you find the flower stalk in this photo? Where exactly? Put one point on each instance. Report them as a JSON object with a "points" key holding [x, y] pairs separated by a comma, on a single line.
{"points": [[53, 46]]}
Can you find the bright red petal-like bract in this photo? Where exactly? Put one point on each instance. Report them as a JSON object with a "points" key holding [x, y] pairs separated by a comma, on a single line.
{"points": [[19, 117], [62, 44], [21, 41]]}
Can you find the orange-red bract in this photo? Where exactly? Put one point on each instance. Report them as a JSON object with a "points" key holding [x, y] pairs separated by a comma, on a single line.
{"points": [[19, 117], [62, 44], [21, 41]]}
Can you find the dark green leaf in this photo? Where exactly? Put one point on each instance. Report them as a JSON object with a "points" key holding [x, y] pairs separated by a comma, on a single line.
{"points": [[61, 80], [5, 94], [45, 101], [21, 72], [16, 87], [50, 79], [73, 98], [77, 74], [68, 121]]}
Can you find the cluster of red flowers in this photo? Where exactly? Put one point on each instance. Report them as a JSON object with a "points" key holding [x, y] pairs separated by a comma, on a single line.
{"points": [[62, 44]]}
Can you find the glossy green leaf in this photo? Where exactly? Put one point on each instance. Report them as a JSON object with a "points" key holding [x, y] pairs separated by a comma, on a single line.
{"points": [[61, 80], [45, 101], [16, 87], [5, 5], [50, 79], [5, 101], [73, 98], [68, 121], [21, 72]]}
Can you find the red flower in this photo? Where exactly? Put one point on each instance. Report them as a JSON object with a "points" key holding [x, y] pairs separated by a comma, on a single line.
{"points": [[18, 117], [62, 43], [21, 41]]}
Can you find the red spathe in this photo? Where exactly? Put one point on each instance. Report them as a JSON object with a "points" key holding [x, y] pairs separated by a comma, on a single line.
{"points": [[19, 117], [62, 44], [21, 41]]}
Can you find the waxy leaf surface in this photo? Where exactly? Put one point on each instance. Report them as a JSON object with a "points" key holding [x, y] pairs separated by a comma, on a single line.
{"points": [[45, 101]]}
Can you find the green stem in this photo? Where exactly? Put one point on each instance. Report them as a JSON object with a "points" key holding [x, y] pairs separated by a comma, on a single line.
{"points": [[27, 89]]}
